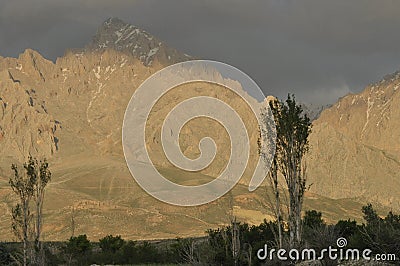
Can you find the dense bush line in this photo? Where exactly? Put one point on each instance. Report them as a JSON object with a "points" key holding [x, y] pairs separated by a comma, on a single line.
{"points": [[380, 234]]}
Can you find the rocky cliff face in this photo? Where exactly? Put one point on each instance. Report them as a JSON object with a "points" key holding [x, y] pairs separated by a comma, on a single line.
{"points": [[80, 95], [26, 126], [355, 150]]}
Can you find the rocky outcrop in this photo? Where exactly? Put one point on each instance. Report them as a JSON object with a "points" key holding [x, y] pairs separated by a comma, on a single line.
{"points": [[26, 127], [355, 150]]}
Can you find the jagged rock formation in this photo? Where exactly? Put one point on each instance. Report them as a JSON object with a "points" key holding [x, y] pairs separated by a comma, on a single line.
{"points": [[120, 36], [355, 150], [25, 115]]}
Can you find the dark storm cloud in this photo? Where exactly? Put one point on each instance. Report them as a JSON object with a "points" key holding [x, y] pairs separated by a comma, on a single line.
{"points": [[319, 50]]}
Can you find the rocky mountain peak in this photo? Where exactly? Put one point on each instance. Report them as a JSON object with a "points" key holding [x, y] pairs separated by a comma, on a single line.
{"points": [[121, 36], [354, 145], [373, 114]]}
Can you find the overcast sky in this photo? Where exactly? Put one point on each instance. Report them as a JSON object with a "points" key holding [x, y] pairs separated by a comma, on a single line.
{"points": [[319, 50]]}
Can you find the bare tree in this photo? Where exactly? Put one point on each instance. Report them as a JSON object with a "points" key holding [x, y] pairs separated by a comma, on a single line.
{"points": [[29, 186], [190, 250], [23, 187]]}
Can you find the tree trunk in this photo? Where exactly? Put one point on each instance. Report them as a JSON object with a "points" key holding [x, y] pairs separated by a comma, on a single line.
{"points": [[279, 220], [25, 230], [274, 177], [39, 210], [235, 241]]}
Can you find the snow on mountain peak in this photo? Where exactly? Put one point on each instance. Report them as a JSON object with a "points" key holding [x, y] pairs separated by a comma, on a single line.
{"points": [[121, 36]]}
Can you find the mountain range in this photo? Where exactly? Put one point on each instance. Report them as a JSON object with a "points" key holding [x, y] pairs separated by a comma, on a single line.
{"points": [[71, 110]]}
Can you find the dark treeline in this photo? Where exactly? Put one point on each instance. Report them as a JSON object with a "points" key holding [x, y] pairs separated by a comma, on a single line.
{"points": [[221, 246]]}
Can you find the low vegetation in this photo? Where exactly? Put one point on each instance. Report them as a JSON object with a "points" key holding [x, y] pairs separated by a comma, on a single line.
{"points": [[380, 234]]}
